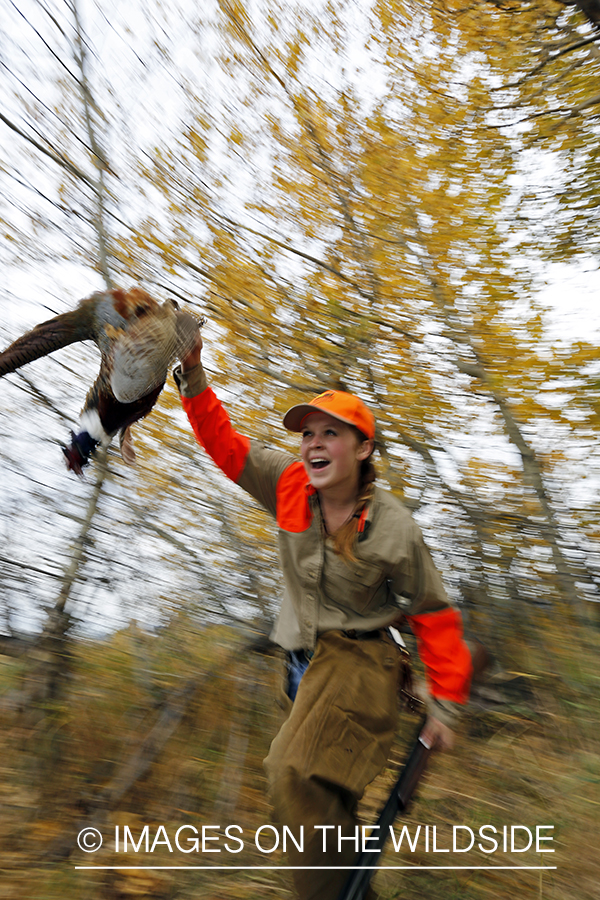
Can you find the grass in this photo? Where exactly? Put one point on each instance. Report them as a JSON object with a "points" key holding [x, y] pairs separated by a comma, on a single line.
{"points": [[531, 760]]}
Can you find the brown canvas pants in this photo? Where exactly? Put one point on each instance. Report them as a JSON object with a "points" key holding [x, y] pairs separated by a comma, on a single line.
{"points": [[334, 742]]}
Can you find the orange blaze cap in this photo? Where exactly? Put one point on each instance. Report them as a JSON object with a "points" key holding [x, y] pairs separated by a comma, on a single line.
{"points": [[345, 407]]}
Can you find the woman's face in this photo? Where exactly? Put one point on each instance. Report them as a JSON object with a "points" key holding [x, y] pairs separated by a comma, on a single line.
{"points": [[332, 453]]}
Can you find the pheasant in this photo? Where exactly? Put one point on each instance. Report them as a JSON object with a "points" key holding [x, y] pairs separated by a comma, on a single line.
{"points": [[138, 339]]}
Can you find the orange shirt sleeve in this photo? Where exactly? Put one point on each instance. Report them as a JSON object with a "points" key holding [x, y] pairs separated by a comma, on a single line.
{"points": [[214, 431], [445, 655]]}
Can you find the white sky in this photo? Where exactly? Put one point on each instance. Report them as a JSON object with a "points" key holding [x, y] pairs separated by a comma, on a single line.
{"points": [[573, 291], [152, 98]]}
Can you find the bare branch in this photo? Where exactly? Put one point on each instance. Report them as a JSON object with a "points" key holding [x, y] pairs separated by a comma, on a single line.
{"points": [[56, 157], [549, 57]]}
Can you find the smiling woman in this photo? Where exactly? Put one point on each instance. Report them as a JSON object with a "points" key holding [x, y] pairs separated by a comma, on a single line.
{"points": [[353, 562], [332, 453]]}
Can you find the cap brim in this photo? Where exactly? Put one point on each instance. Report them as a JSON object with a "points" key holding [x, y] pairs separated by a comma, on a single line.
{"points": [[295, 416]]}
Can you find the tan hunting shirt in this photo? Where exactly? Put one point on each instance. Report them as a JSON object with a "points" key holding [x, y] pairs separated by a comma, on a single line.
{"points": [[394, 572]]}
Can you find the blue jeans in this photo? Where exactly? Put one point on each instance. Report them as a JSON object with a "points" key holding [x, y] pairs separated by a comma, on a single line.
{"points": [[297, 664]]}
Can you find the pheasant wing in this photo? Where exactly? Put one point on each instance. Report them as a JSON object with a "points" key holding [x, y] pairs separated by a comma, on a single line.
{"points": [[69, 327]]}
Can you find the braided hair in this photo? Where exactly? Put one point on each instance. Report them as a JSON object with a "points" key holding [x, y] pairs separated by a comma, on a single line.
{"points": [[344, 537]]}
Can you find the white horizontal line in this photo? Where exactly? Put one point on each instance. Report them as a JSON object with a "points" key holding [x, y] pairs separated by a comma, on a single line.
{"points": [[327, 868]]}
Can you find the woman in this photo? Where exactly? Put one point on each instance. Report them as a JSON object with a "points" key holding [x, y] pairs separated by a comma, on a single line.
{"points": [[353, 561]]}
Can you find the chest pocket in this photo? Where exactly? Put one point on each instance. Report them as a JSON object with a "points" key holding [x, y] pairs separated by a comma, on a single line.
{"points": [[351, 584]]}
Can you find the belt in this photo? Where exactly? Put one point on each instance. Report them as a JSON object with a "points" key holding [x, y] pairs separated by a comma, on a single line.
{"points": [[363, 635]]}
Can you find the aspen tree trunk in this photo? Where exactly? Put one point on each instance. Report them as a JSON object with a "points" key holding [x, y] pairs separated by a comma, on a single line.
{"points": [[50, 659]]}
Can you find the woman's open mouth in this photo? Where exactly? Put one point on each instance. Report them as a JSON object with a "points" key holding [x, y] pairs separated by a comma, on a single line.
{"points": [[319, 463]]}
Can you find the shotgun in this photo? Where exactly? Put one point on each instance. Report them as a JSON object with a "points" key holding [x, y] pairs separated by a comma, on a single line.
{"points": [[367, 861]]}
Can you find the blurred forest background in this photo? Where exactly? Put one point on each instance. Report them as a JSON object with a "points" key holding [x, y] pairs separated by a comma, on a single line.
{"points": [[358, 194]]}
